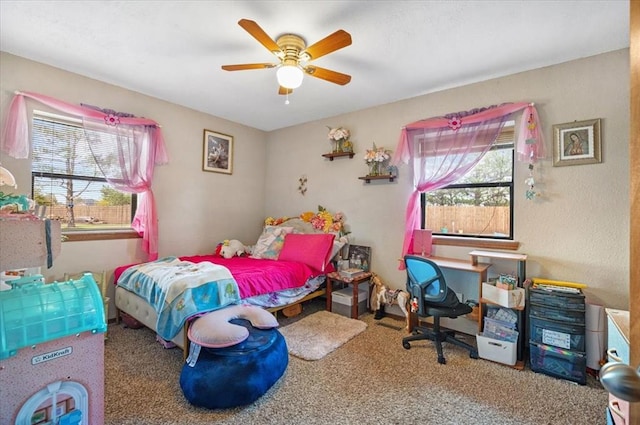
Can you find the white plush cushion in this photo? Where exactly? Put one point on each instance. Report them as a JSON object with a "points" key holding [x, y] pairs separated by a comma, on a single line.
{"points": [[214, 330], [300, 226]]}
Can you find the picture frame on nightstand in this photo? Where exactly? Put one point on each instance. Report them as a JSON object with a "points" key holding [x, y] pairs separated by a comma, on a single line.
{"points": [[360, 257]]}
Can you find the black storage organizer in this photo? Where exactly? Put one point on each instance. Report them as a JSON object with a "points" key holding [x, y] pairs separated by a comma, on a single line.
{"points": [[557, 334]]}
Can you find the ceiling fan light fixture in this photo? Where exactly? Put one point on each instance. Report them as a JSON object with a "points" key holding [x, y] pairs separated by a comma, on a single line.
{"points": [[289, 76]]}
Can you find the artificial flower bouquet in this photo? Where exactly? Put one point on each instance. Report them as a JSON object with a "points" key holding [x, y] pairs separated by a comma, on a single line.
{"points": [[322, 220], [339, 137], [376, 159]]}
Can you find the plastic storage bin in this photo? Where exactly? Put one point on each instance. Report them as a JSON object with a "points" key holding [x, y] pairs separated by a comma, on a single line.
{"points": [[496, 350], [559, 363], [500, 330], [342, 300], [557, 299], [34, 312], [558, 334], [558, 314]]}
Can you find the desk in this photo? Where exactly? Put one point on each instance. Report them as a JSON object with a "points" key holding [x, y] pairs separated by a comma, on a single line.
{"points": [[464, 266], [336, 277]]}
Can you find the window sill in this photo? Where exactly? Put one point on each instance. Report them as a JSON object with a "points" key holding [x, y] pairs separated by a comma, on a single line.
{"points": [[96, 235], [476, 243]]}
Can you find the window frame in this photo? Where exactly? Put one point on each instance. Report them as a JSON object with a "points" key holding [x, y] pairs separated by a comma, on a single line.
{"points": [[479, 241], [78, 235]]}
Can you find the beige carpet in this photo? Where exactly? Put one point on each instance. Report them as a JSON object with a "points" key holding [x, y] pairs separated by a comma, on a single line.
{"points": [[371, 380], [320, 333]]}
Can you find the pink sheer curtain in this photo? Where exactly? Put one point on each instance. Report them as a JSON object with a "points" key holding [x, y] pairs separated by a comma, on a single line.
{"points": [[126, 148], [443, 149]]}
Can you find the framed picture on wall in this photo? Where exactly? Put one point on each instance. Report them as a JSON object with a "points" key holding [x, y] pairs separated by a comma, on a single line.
{"points": [[577, 143], [217, 155], [360, 257]]}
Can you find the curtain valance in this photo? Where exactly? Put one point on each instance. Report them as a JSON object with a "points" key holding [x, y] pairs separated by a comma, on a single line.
{"points": [[530, 141]]}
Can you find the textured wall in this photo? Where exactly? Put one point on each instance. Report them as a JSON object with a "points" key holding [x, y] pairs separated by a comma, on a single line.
{"points": [[196, 209], [577, 230]]}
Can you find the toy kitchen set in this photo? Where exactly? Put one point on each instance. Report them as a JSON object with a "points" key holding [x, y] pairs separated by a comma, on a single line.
{"points": [[51, 334]]}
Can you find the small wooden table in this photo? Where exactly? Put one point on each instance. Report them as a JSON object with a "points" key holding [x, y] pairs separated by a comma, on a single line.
{"points": [[355, 281]]}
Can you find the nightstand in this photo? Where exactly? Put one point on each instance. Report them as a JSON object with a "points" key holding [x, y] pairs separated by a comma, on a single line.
{"points": [[334, 277]]}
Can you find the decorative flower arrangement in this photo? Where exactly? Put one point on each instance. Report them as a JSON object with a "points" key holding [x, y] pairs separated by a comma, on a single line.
{"points": [[322, 220], [270, 221], [338, 136], [325, 221], [376, 158]]}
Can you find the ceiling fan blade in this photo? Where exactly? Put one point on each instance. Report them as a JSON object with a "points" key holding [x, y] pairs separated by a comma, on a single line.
{"points": [[284, 90], [328, 75], [258, 33], [242, 67], [330, 43]]}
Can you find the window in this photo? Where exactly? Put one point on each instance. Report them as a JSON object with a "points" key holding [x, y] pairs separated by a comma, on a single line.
{"points": [[66, 179], [480, 203]]}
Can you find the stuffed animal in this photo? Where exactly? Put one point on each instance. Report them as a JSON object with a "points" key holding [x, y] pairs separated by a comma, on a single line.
{"points": [[381, 295], [231, 248]]}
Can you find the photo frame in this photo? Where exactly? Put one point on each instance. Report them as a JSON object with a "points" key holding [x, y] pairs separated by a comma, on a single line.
{"points": [[361, 254], [577, 143], [217, 152]]}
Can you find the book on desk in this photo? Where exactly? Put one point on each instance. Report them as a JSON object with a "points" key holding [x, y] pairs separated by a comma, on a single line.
{"points": [[352, 273]]}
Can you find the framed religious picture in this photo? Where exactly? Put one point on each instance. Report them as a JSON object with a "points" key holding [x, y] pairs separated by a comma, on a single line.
{"points": [[217, 155], [577, 143]]}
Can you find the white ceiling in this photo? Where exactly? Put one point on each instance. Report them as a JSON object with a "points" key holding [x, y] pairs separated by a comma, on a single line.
{"points": [[173, 50]]}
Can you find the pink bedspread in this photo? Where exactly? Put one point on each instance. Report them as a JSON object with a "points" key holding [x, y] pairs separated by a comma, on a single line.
{"points": [[255, 276]]}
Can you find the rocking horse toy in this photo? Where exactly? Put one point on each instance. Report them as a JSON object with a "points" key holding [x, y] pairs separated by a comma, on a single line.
{"points": [[381, 295]]}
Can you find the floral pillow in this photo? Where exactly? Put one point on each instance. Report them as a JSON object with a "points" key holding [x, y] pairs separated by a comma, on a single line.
{"points": [[270, 242]]}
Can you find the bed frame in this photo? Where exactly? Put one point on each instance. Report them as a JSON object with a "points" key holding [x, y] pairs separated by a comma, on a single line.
{"points": [[138, 308]]}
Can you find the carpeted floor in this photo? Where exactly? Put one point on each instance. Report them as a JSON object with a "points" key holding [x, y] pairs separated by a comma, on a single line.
{"points": [[369, 380]]}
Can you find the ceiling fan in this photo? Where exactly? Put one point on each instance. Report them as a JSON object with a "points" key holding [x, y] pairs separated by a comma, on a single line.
{"points": [[294, 56]]}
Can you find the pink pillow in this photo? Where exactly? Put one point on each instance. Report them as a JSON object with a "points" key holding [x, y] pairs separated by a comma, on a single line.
{"points": [[314, 249]]}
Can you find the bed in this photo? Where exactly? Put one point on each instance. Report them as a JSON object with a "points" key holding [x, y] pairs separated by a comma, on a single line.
{"points": [[285, 267]]}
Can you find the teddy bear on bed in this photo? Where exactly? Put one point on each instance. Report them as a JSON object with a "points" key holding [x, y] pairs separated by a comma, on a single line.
{"points": [[230, 248]]}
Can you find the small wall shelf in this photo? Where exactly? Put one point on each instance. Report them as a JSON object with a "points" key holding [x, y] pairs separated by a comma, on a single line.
{"points": [[338, 155], [368, 179]]}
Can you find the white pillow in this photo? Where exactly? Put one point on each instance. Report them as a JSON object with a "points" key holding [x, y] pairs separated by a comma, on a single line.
{"points": [[301, 226], [338, 244]]}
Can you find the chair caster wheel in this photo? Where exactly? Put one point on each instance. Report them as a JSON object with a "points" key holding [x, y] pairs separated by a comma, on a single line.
{"points": [[473, 354], [442, 360], [406, 345]]}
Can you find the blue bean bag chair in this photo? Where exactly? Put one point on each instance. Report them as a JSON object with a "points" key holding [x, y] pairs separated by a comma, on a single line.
{"points": [[237, 374]]}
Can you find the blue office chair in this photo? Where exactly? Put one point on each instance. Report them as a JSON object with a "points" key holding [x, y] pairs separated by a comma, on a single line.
{"points": [[427, 285]]}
